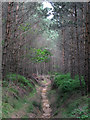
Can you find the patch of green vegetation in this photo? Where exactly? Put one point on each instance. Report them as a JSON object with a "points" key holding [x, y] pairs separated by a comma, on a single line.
{"points": [[17, 104], [5, 99], [18, 79], [53, 73], [30, 108], [13, 90], [69, 102], [3, 42], [55, 113], [51, 92], [11, 100], [36, 104], [39, 55], [81, 113], [25, 27], [32, 93], [66, 84], [61, 99], [0, 113], [6, 108], [5, 83], [77, 108], [11, 104]]}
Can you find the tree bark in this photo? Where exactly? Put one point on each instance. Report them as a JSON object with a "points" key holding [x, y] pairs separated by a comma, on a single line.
{"points": [[78, 58], [6, 53], [63, 50], [87, 48]]}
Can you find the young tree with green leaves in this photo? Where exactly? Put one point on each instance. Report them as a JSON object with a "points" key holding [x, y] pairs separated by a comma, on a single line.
{"points": [[38, 56]]}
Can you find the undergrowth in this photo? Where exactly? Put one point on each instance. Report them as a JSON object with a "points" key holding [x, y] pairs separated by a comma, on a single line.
{"points": [[13, 100], [11, 104], [69, 103], [36, 104], [16, 78], [65, 83], [77, 108]]}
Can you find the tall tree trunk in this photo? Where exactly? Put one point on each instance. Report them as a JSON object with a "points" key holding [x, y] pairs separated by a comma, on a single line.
{"points": [[6, 46], [82, 40], [63, 50], [87, 48], [78, 57], [72, 50], [72, 54]]}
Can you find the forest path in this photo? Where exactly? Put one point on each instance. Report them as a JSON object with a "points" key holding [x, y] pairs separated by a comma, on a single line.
{"points": [[46, 83], [41, 91]]}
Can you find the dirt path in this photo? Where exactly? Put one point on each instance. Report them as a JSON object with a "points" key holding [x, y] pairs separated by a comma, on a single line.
{"points": [[42, 90], [45, 102]]}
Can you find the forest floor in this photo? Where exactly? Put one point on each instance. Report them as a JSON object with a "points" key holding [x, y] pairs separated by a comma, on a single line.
{"points": [[46, 102], [39, 97]]}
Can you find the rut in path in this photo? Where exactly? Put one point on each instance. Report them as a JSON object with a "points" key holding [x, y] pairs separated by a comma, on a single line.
{"points": [[45, 102]]}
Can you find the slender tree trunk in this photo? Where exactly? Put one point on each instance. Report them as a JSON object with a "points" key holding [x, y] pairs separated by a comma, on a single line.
{"points": [[63, 51], [72, 50], [6, 46], [37, 69], [82, 42], [72, 55], [78, 57], [44, 68], [87, 48]]}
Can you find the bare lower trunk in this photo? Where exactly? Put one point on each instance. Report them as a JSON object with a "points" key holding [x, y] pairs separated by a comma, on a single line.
{"points": [[37, 69]]}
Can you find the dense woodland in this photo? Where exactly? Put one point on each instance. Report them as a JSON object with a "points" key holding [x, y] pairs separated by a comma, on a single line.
{"points": [[51, 40]]}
